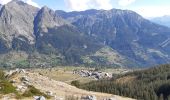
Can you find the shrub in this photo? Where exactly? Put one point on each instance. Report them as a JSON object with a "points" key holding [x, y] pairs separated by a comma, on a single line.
{"points": [[75, 83], [22, 64], [2, 75], [7, 87]]}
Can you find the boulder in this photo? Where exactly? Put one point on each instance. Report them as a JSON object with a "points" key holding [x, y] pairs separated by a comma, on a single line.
{"points": [[12, 81], [24, 78], [112, 99], [39, 98], [22, 71], [49, 93], [89, 97], [21, 88]]}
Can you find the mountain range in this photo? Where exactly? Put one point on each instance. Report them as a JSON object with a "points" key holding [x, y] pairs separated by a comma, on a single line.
{"points": [[164, 20], [31, 37]]}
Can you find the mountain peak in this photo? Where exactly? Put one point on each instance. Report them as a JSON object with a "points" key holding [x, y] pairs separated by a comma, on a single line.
{"points": [[47, 18], [18, 18], [16, 2], [45, 8], [21, 3]]}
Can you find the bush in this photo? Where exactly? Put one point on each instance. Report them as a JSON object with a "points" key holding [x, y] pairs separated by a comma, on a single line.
{"points": [[22, 64], [2, 75], [7, 87], [75, 83]]}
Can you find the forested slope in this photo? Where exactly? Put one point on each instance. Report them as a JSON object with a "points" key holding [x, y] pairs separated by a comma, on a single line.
{"points": [[150, 84]]}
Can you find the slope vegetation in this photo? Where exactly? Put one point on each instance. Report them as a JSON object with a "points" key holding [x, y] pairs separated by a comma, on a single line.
{"points": [[150, 84]]}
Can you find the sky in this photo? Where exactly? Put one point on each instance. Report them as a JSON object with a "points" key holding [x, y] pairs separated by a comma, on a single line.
{"points": [[146, 8]]}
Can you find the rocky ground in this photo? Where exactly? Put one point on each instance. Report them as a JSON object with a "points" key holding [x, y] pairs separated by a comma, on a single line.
{"points": [[56, 89]]}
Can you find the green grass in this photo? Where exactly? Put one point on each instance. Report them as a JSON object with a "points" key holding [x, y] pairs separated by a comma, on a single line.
{"points": [[6, 86], [64, 74], [2, 75]]}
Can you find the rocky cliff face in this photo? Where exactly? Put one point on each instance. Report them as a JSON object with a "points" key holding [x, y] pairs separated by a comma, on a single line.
{"points": [[93, 37], [17, 20]]}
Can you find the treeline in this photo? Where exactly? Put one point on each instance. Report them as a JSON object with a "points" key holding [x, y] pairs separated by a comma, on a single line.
{"points": [[151, 84]]}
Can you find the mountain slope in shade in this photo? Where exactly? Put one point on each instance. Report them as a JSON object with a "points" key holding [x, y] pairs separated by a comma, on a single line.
{"points": [[55, 33], [125, 31], [164, 20]]}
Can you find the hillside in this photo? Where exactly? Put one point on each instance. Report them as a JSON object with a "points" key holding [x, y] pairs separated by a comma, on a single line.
{"points": [[149, 84], [25, 84]]}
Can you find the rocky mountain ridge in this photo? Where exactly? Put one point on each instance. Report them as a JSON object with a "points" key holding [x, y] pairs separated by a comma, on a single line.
{"points": [[126, 32], [91, 38]]}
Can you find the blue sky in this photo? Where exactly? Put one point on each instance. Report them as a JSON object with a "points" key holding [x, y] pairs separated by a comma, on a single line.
{"points": [[146, 8], [54, 4]]}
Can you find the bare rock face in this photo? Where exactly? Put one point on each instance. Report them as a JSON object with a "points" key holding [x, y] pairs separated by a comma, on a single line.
{"points": [[16, 20], [46, 18], [39, 98], [89, 97]]}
